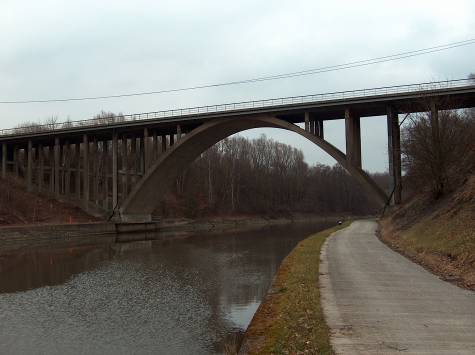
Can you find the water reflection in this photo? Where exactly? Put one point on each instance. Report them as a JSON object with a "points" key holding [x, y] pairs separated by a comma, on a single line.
{"points": [[176, 297], [47, 267]]}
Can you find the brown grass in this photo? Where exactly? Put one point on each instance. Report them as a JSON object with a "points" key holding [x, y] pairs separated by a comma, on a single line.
{"points": [[19, 207], [439, 235], [290, 320]]}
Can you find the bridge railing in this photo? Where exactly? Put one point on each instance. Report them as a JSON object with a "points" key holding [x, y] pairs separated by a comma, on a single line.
{"points": [[245, 105]]}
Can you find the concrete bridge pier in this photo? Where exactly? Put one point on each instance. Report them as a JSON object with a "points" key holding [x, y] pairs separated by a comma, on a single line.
{"points": [[95, 170], [353, 138], [105, 174], [115, 170], [16, 157], [154, 153], [307, 121], [164, 143], [319, 129], [50, 170], [40, 167], [85, 171], [394, 154], [56, 166], [67, 169], [4, 160], [29, 168], [313, 125], [77, 175], [124, 169]]}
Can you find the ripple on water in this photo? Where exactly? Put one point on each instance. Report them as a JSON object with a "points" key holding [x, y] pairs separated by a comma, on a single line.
{"points": [[182, 297], [120, 308]]}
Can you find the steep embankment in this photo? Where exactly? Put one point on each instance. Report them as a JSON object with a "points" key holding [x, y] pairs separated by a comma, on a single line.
{"points": [[439, 235], [19, 207]]}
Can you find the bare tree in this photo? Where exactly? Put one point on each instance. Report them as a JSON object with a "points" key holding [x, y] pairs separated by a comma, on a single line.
{"points": [[440, 162], [262, 176]]}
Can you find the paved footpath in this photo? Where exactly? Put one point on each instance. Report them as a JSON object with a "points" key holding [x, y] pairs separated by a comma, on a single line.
{"points": [[378, 302]]}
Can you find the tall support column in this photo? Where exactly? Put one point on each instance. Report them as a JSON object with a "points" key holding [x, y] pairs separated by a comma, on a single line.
{"points": [[51, 169], [142, 155], [85, 142], [172, 139], [115, 182], [56, 166], [312, 126], [4, 160], [307, 121], [164, 143], [353, 138], [106, 169], [125, 167], [77, 177], [95, 172], [146, 150], [154, 154], [67, 169], [29, 166], [178, 132], [133, 165], [319, 128], [41, 167], [394, 153], [61, 169], [16, 164]]}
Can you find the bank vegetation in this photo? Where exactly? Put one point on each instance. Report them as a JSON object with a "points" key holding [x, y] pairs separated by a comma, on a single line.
{"points": [[290, 320], [436, 224]]}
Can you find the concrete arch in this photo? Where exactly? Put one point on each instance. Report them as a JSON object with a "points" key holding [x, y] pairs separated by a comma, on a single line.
{"points": [[149, 190]]}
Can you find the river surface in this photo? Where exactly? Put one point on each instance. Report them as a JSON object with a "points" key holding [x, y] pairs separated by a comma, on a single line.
{"points": [[180, 296]]}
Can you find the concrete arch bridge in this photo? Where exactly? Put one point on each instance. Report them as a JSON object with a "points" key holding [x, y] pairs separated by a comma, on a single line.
{"points": [[124, 164]]}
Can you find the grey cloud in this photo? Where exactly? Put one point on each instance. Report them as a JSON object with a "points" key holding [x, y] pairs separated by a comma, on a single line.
{"points": [[83, 48]]}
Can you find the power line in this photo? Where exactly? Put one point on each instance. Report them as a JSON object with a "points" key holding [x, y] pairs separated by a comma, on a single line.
{"points": [[314, 71]]}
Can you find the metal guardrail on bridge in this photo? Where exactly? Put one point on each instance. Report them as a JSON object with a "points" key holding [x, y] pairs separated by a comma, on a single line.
{"points": [[245, 105]]}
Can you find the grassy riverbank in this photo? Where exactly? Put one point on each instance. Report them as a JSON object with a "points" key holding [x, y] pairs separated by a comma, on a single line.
{"points": [[439, 235], [290, 320]]}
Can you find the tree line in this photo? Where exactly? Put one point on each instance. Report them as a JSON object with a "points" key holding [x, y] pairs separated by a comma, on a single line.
{"points": [[265, 177]]}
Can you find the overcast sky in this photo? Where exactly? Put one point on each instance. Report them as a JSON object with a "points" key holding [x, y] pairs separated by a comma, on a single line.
{"points": [[57, 48]]}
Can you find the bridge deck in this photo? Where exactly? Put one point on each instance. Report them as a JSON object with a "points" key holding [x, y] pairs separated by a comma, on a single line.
{"points": [[365, 102]]}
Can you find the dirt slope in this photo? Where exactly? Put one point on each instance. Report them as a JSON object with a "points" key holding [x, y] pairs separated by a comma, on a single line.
{"points": [[440, 235], [19, 207]]}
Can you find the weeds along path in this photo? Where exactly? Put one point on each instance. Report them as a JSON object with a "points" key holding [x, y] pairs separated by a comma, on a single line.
{"points": [[290, 319]]}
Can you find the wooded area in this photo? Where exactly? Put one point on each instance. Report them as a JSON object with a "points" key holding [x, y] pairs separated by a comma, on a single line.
{"points": [[265, 177], [438, 155]]}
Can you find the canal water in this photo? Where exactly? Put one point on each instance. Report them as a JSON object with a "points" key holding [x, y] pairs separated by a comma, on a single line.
{"points": [[180, 296]]}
